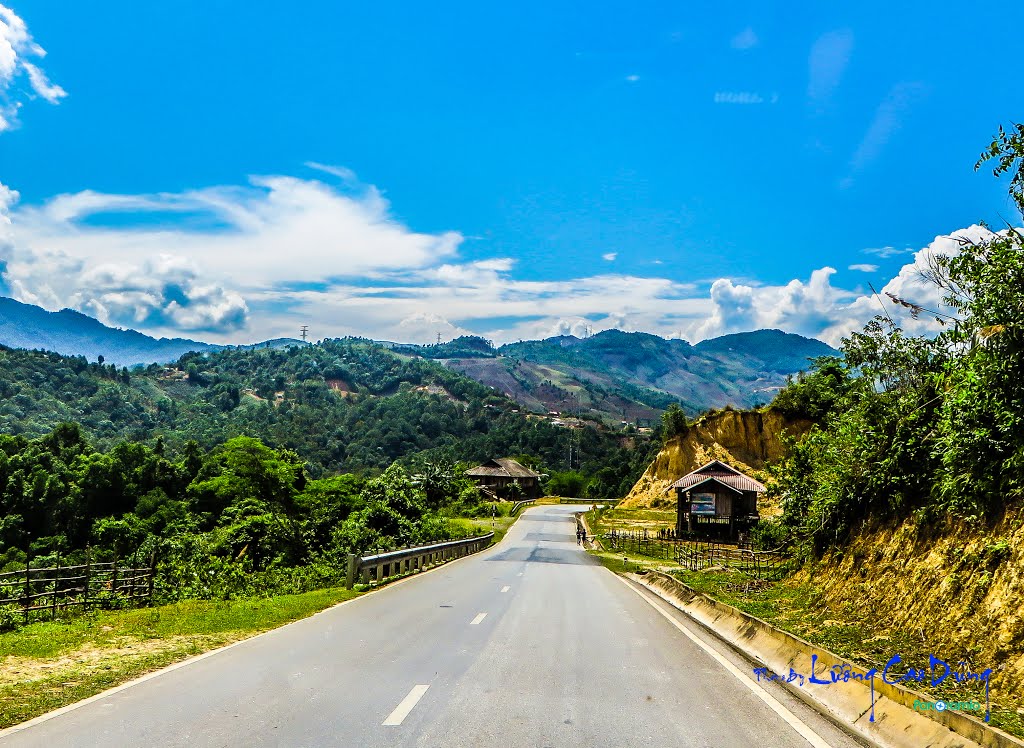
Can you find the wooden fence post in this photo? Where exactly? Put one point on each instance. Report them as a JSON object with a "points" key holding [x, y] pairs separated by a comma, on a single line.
{"points": [[28, 588], [88, 578], [152, 575], [56, 583]]}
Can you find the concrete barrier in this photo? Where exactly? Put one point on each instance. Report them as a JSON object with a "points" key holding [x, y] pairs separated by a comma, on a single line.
{"points": [[896, 723], [394, 563]]}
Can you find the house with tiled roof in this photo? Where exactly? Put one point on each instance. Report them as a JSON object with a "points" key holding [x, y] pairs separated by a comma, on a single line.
{"points": [[499, 475], [716, 501]]}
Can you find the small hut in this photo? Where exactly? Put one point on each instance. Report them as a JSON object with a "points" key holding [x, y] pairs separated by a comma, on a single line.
{"points": [[498, 475], [717, 501]]}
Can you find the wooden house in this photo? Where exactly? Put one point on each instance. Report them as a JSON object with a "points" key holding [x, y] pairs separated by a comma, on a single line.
{"points": [[716, 501], [498, 475]]}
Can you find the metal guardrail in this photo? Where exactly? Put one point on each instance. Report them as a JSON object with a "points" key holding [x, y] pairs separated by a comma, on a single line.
{"points": [[383, 565], [608, 502], [519, 505]]}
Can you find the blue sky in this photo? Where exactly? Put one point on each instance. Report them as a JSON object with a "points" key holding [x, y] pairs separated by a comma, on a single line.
{"points": [[513, 170]]}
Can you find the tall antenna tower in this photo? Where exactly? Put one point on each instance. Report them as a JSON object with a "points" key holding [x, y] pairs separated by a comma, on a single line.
{"points": [[576, 412], [303, 331]]}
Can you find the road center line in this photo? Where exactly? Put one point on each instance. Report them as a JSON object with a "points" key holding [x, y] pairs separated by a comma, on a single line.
{"points": [[476, 621], [776, 706], [506, 588], [408, 703]]}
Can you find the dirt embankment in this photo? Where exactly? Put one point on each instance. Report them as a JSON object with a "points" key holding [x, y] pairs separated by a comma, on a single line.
{"points": [[955, 587], [746, 439]]}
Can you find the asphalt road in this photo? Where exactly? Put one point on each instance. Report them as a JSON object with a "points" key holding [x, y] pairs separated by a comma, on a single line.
{"points": [[530, 644]]}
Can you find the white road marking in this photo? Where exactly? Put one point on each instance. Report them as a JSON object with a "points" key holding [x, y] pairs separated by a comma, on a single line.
{"points": [[476, 621], [408, 703], [791, 719], [519, 574], [506, 588]]}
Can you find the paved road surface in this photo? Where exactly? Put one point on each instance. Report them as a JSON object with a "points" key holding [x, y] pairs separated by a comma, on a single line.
{"points": [[530, 644]]}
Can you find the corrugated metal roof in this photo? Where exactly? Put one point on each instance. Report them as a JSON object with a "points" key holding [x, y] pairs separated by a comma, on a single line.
{"points": [[728, 475], [503, 467]]}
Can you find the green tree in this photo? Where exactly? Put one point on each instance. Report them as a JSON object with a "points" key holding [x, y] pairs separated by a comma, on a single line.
{"points": [[673, 422]]}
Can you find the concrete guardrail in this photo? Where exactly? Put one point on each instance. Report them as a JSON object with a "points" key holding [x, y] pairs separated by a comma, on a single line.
{"points": [[898, 724], [383, 565]]}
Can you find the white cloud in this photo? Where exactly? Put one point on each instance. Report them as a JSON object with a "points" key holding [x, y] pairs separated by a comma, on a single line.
{"points": [[160, 270], [817, 308], [740, 97], [241, 264], [609, 256], [829, 57], [344, 174], [423, 327], [278, 230], [886, 252], [807, 308], [746, 39], [887, 120], [909, 284], [41, 84], [16, 46], [863, 267], [632, 78], [8, 198]]}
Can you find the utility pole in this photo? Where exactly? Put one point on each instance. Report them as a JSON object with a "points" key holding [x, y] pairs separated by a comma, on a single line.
{"points": [[304, 330]]}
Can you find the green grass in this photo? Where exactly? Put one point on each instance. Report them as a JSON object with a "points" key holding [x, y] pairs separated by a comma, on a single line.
{"points": [[481, 525], [52, 664], [604, 520]]}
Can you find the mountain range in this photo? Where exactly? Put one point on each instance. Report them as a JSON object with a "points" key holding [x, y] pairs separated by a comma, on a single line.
{"points": [[72, 333], [611, 376], [633, 376]]}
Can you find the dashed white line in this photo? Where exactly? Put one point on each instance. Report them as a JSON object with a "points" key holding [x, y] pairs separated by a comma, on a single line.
{"points": [[506, 588], [408, 703], [476, 621]]}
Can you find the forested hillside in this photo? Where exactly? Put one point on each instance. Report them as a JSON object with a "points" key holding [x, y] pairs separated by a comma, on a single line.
{"points": [[613, 376], [929, 427], [250, 470], [343, 405]]}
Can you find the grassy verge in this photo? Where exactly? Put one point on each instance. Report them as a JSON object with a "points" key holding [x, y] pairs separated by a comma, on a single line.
{"points": [[482, 525], [652, 520], [853, 633], [49, 665]]}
